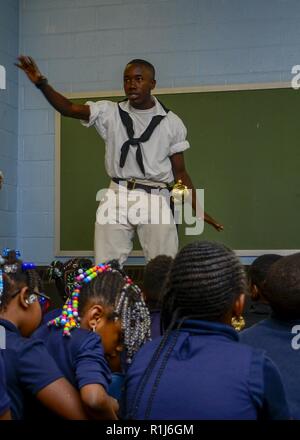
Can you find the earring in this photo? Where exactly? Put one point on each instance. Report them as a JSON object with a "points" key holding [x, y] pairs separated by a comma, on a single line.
{"points": [[32, 298], [94, 328], [238, 323]]}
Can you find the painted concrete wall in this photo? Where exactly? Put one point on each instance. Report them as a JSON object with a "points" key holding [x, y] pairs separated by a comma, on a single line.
{"points": [[9, 46], [84, 45]]}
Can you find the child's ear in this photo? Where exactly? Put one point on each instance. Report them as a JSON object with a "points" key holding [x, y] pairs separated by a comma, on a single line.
{"points": [[23, 298], [238, 305], [94, 316]]}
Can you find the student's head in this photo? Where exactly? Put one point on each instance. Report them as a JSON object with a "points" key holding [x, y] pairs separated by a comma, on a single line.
{"points": [[22, 300], [64, 274], [282, 287], [206, 282], [155, 275], [139, 80], [257, 274], [110, 304]]}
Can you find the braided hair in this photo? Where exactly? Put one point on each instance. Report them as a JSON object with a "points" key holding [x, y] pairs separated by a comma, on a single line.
{"points": [[109, 287], [64, 274], [11, 281], [204, 281]]}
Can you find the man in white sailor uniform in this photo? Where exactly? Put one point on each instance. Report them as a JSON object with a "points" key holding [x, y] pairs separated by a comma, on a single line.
{"points": [[144, 154]]}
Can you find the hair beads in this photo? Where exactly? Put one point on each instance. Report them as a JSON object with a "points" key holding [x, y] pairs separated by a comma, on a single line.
{"points": [[69, 318], [113, 289], [135, 318]]}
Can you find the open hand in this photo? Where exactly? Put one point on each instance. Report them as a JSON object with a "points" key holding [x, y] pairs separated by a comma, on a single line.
{"points": [[218, 227], [28, 65]]}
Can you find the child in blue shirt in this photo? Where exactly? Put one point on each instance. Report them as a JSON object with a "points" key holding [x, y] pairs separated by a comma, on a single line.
{"points": [[4, 399], [198, 369], [29, 367], [278, 335], [155, 275], [104, 313], [257, 307]]}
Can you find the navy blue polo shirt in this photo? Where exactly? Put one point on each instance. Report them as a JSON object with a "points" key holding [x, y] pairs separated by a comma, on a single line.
{"points": [[51, 315], [28, 366], [208, 374], [155, 323], [4, 399], [282, 346], [80, 356]]}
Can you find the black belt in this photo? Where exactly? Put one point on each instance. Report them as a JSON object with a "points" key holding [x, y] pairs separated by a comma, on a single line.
{"points": [[132, 184]]}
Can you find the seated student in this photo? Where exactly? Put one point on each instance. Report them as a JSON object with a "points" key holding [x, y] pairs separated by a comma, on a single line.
{"points": [[109, 306], [4, 399], [198, 369], [277, 335], [28, 365], [257, 307], [155, 275]]}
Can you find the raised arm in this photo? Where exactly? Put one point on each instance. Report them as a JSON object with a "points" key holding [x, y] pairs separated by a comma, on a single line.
{"points": [[63, 105], [180, 173]]}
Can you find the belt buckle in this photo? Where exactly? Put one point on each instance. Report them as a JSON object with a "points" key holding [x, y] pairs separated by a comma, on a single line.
{"points": [[131, 184]]}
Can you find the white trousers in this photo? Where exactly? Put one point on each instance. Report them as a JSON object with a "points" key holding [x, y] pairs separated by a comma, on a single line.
{"points": [[121, 213]]}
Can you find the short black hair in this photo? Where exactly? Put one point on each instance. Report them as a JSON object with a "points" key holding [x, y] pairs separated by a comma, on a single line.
{"points": [[282, 287], [258, 270], [155, 275], [145, 63]]}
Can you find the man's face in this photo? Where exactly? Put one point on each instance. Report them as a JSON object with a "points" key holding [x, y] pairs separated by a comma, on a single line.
{"points": [[138, 83]]}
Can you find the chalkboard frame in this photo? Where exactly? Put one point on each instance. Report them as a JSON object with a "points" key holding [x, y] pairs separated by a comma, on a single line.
{"points": [[160, 91]]}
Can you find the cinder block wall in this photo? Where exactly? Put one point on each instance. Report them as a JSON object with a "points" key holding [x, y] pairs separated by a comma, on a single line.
{"points": [[84, 45], [9, 46]]}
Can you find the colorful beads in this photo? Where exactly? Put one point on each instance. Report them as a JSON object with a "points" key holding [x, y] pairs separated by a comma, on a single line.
{"points": [[1, 284], [69, 318]]}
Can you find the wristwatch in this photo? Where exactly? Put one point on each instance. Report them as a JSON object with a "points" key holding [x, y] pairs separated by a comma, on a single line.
{"points": [[41, 82]]}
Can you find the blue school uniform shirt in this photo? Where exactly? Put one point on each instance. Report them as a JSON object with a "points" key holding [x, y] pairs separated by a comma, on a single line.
{"points": [[155, 323], [209, 375], [28, 365], [51, 315], [276, 338], [4, 399], [80, 356]]}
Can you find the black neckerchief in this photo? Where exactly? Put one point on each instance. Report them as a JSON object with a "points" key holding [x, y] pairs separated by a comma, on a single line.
{"points": [[128, 124]]}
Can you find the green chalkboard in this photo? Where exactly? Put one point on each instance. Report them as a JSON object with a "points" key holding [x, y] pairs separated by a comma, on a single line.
{"points": [[245, 153]]}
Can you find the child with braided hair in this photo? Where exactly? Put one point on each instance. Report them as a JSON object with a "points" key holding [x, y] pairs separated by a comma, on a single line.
{"points": [[198, 369], [29, 368], [104, 315], [63, 275]]}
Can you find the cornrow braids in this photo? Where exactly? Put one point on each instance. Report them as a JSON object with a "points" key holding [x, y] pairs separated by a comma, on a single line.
{"points": [[109, 287], [204, 280]]}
